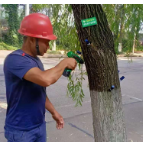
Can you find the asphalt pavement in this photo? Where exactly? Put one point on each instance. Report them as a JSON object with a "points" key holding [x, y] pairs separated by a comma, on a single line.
{"points": [[78, 120]]}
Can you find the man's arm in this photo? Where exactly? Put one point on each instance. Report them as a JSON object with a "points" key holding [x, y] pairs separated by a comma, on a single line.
{"points": [[56, 116], [49, 106], [50, 76], [44, 78]]}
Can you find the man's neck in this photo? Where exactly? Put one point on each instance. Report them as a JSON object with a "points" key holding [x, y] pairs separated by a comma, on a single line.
{"points": [[27, 51]]}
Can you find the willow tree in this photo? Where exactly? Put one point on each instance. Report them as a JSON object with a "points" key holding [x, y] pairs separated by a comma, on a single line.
{"points": [[13, 24], [125, 22], [101, 64], [134, 16], [115, 16]]}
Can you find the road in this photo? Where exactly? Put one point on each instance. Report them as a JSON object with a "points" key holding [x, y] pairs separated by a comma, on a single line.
{"points": [[78, 120]]}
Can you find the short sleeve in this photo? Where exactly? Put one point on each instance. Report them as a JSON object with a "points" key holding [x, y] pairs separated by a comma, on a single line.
{"points": [[19, 65]]}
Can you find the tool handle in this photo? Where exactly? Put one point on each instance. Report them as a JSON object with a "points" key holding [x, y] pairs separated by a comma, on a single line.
{"points": [[67, 72]]}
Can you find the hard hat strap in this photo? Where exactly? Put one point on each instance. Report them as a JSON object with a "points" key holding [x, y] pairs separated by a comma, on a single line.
{"points": [[37, 47]]}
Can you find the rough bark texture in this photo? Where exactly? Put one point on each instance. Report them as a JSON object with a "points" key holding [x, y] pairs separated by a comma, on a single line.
{"points": [[107, 112], [101, 64]]}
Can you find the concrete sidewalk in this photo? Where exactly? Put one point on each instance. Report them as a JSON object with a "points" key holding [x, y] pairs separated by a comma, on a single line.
{"points": [[131, 55]]}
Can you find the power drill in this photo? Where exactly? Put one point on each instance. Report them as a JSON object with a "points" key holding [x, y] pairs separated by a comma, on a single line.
{"points": [[79, 60]]}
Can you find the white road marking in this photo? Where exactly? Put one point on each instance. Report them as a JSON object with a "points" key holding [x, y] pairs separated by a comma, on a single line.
{"points": [[133, 97], [90, 101]]}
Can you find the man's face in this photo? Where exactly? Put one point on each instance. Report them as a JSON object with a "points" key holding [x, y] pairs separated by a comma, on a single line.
{"points": [[43, 46]]}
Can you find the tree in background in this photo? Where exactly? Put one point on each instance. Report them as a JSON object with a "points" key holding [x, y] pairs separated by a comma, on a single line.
{"points": [[125, 21], [62, 20], [12, 10]]}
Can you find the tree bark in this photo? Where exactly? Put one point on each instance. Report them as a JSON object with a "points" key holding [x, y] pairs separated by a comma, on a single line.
{"points": [[121, 26], [136, 31], [101, 64], [134, 42], [133, 29], [54, 46]]}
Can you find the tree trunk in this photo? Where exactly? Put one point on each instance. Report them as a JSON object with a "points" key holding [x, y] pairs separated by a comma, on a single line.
{"points": [[117, 22], [101, 64], [133, 29], [120, 47], [136, 32], [134, 42], [121, 27], [54, 46]]}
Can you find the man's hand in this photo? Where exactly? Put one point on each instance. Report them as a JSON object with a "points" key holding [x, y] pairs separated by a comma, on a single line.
{"points": [[59, 119], [71, 63], [56, 116]]}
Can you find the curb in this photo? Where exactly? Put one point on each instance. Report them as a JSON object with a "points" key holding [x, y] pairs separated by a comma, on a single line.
{"points": [[130, 56], [53, 56]]}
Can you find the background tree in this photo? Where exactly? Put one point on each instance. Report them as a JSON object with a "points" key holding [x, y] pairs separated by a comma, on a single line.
{"points": [[12, 10]]}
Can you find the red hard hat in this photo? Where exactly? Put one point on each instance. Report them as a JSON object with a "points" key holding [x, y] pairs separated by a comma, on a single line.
{"points": [[37, 25]]}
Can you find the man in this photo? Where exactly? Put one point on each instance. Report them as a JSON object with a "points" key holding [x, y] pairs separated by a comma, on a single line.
{"points": [[26, 82]]}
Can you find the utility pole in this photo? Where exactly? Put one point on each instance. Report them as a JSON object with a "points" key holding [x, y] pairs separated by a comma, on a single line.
{"points": [[26, 9]]}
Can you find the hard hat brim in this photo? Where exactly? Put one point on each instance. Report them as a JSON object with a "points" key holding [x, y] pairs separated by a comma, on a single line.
{"points": [[48, 37]]}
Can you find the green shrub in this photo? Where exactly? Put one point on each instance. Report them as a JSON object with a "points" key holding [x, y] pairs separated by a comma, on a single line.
{"points": [[4, 46]]}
